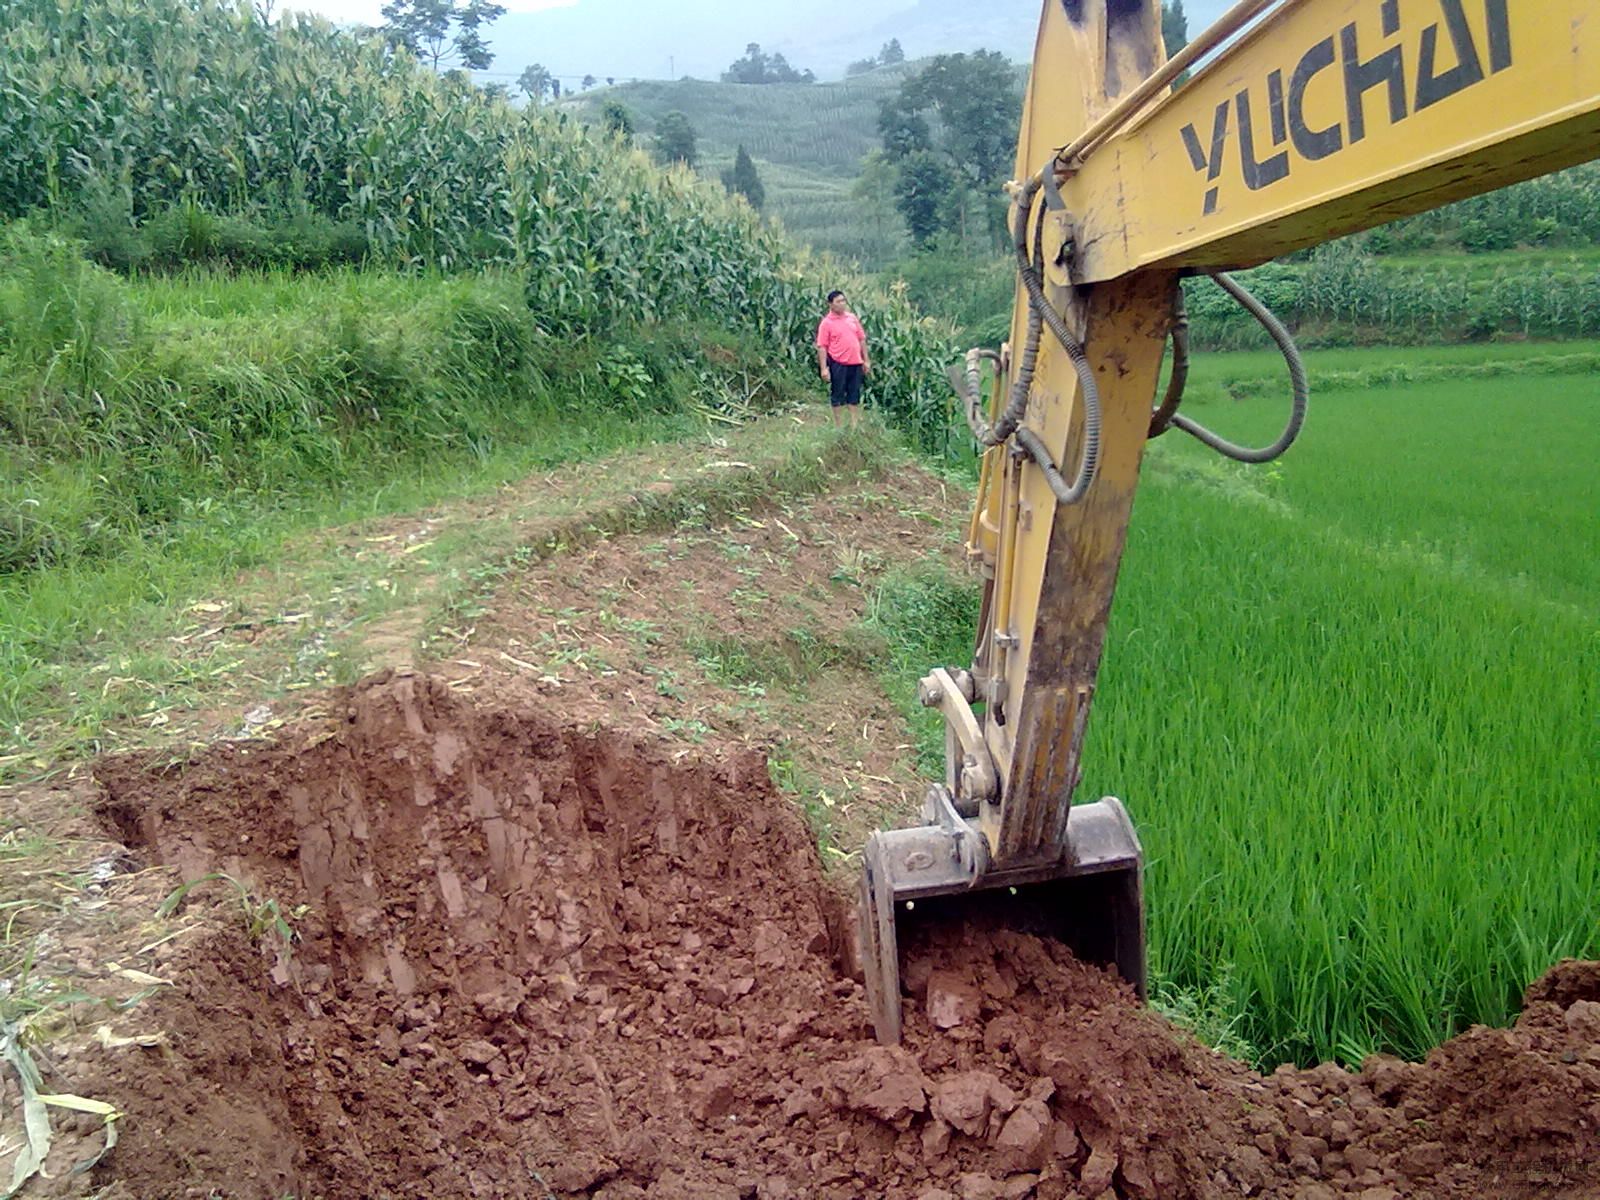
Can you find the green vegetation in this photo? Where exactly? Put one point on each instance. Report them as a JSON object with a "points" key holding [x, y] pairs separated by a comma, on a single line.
{"points": [[443, 33], [926, 619], [808, 141], [975, 293], [675, 139], [744, 179], [137, 412], [889, 55], [117, 424], [1343, 293], [1349, 697], [948, 135], [394, 164], [759, 67]]}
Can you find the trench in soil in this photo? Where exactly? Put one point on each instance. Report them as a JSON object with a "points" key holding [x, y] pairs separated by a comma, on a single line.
{"points": [[538, 961], [517, 938]]}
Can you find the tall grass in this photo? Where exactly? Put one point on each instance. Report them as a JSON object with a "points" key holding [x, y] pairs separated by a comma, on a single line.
{"points": [[131, 109], [123, 419]]}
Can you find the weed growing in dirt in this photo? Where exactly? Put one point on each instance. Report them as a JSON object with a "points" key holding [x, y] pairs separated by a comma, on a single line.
{"points": [[807, 791], [1213, 1011], [263, 916], [690, 729]]}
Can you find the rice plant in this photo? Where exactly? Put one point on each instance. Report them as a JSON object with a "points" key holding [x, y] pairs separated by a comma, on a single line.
{"points": [[1350, 701]]}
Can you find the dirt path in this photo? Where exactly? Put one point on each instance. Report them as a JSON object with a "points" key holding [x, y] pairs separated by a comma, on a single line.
{"points": [[556, 933]]}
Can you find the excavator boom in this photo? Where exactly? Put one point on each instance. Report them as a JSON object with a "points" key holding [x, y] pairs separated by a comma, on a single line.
{"points": [[1306, 120]]}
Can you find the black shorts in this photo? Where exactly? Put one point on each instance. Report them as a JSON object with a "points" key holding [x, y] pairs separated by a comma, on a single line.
{"points": [[844, 382]]}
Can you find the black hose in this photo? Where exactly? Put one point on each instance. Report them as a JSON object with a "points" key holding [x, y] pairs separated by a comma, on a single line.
{"points": [[1165, 416], [1040, 304], [1161, 418], [1297, 382]]}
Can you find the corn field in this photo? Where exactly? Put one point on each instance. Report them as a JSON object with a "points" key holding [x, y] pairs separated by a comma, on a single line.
{"points": [[140, 106], [1342, 294], [1559, 210]]}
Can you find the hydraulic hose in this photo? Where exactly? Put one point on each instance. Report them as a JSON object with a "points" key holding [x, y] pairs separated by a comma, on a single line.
{"points": [[1161, 417], [1297, 382], [1041, 313], [1039, 304]]}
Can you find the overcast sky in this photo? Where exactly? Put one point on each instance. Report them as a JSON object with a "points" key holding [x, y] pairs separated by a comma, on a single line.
{"points": [[367, 12], [658, 39]]}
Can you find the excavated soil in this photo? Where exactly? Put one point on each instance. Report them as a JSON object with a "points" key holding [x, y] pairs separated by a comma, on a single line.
{"points": [[536, 959]]}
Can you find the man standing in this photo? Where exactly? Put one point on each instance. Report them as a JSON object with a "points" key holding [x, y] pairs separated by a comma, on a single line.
{"points": [[842, 357]]}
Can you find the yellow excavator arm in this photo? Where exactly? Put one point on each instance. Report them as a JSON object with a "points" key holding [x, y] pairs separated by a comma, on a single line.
{"points": [[1305, 120]]}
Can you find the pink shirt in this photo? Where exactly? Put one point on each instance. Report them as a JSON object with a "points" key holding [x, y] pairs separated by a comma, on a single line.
{"points": [[841, 335]]}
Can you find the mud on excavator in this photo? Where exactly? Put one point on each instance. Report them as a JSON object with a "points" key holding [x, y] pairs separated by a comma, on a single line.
{"points": [[1305, 120]]}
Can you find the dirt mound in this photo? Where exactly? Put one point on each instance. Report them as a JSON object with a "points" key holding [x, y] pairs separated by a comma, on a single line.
{"points": [[542, 961]]}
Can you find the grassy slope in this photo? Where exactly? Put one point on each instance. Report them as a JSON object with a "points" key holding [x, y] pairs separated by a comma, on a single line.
{"points": [[807, 140], [432, 430]]}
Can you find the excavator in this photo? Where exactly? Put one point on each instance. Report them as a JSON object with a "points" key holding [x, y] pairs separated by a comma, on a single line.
{"points": [[1285, 125]]}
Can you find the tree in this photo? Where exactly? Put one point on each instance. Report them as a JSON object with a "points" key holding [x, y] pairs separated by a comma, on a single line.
{"points": [[424, 27], [922, 193], [535, 81], [978, 102], [959, 112], [903, 133], [675, 138], [744, 180], [472, 51], [861, 66], [891, 53], [617, 117], [1174, 34], [758, 67], [588, 82], [1174, 26]]}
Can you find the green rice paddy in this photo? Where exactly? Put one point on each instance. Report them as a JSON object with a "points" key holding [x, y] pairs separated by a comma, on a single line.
{"points": [[1351, 700]]}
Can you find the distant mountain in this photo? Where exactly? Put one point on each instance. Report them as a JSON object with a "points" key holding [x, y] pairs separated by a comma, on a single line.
{"points": [[926, 28]]}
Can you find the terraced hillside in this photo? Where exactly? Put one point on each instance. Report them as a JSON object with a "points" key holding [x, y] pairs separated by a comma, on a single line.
{"points": [[808, 142]]}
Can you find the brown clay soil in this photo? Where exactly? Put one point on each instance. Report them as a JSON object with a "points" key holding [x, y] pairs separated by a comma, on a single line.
{"points": [[539, 960], [556, 934]]}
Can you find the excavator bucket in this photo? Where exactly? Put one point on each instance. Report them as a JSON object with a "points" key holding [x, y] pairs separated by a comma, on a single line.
{"points": [[913, 879]]}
